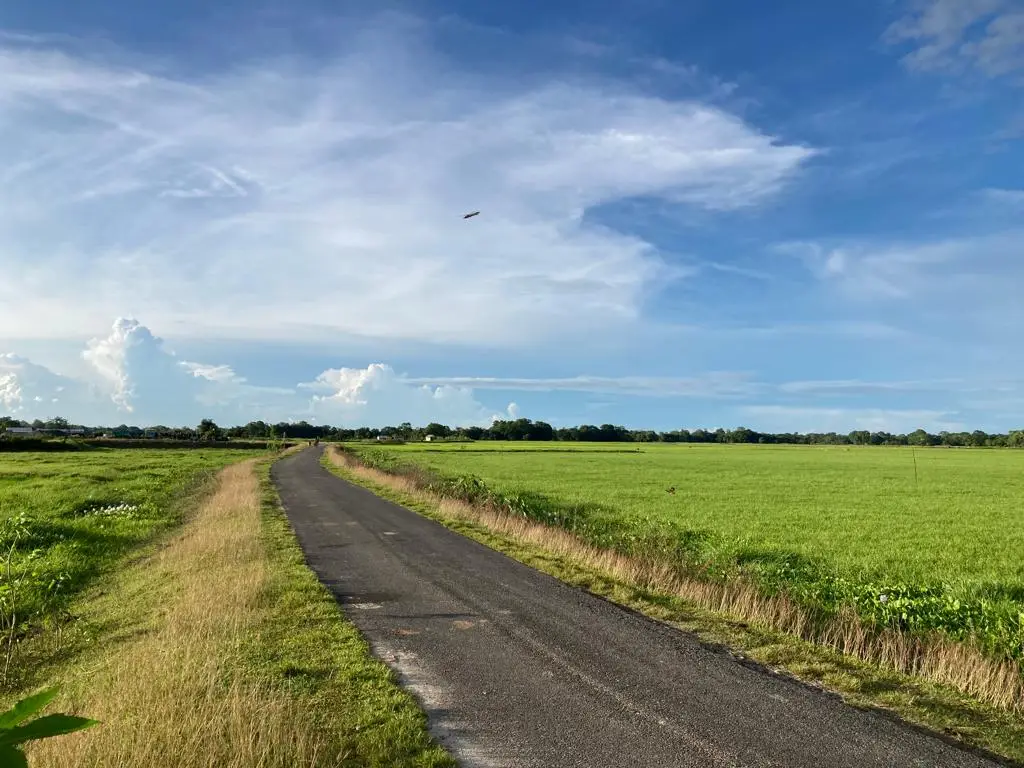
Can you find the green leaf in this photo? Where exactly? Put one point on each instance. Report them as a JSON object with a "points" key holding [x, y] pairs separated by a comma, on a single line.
{"points": [[12, 757], [27, 707], [44, 727]]}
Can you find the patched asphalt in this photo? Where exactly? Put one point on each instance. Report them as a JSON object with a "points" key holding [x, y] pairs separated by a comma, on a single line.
{"points": [[515, 668]]}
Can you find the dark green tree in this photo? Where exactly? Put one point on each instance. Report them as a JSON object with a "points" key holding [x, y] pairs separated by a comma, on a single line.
{"points": [[208, 430]]}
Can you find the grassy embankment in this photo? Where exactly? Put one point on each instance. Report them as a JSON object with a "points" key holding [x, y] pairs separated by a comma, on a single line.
{"points": [[187, 621], [778, 543]]}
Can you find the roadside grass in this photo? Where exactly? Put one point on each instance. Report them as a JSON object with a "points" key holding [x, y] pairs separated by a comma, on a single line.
{"points": [[216, 646], [740, 620], [66, 520]]}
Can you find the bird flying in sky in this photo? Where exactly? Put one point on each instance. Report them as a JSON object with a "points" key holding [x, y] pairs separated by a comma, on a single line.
{"points": [[471, 215]]}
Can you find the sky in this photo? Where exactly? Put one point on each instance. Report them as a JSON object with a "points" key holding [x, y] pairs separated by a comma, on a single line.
{"points": [[795, 216]]}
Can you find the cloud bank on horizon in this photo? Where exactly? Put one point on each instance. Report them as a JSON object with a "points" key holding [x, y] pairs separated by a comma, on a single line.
{"points": [[135, 378], [818, 230], [138, 380]]}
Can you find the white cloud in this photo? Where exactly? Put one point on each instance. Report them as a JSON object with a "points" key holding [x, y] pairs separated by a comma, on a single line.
{"points": [[711, 385], [1009, 198], [223, 373], [966, 268], [782, 418], [376, 396], [144, 379], [867, 329], [283, 196], [27, 388], [140, 381], [978, 384], [858, 387], [955, 34]]}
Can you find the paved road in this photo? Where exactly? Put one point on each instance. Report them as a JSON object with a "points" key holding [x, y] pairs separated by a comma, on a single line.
{"points": [[515, 668]]}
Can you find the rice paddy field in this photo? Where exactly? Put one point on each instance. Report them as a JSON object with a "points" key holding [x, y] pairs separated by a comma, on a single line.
{"points": [[928, 539], [66, 517]]}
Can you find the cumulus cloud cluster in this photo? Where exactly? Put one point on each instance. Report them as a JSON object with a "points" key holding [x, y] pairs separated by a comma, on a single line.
{"points": [[139, 380], [29, 388], [135, 378], [295, 196]]}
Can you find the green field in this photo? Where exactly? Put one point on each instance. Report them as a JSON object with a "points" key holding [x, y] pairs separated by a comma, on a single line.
{"points": [[247, 659], [827, 523], [66, 517]]}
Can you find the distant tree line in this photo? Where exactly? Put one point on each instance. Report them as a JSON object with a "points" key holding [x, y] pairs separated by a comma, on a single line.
{"points": [[526, 429]]}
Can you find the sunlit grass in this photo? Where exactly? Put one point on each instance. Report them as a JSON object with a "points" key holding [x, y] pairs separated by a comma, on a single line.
{"points": [[858, 508], [929, 679], [205, 640], [65, 518]]}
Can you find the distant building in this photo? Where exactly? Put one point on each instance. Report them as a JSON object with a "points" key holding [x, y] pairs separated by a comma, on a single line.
{"points": [[21, 431], [429, 438]]}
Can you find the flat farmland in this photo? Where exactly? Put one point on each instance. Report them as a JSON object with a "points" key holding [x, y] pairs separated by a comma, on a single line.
{"points": [[66, 517], [861, 518]]}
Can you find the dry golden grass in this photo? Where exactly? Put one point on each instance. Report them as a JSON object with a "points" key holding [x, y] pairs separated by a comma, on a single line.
{"points": [[173, 697], [935, 658]]}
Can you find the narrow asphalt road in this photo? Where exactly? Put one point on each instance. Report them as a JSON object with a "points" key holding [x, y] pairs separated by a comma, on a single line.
{"points": [[515, 668]]}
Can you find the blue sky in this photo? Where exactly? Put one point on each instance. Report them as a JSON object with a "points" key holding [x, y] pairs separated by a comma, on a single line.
{"points": [[795, 216]]}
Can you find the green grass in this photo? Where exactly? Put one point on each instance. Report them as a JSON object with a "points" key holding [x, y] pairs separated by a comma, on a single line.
{"points": [[828, 524], [67, 518], [291, 644], [862, 685]]}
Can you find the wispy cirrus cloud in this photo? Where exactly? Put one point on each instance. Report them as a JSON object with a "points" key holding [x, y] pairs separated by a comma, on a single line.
{"points": [[1006, 198], [783, 418], [980, 384], [959, 35], [858, 387], [711, 385], [294, 193], [978, 266]]}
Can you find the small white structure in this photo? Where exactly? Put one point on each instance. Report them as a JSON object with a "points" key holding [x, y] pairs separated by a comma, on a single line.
{"points": [[429, 438]]}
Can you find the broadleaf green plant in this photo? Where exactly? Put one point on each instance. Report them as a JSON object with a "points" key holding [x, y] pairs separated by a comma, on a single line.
{"points": [[13, 733]]}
